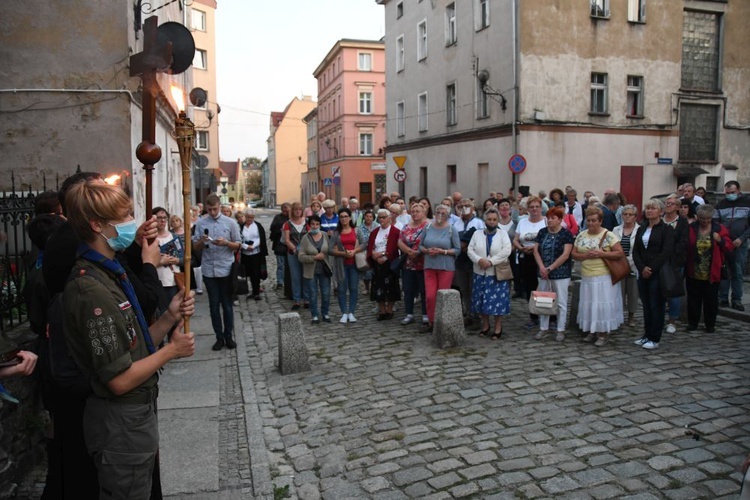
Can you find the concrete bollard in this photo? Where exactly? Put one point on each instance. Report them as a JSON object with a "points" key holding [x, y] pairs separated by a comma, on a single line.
{"points": [[293, 356], [449, 320]]}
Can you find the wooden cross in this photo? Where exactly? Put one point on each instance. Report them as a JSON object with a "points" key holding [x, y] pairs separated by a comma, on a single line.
{"points": [[154, 58]]}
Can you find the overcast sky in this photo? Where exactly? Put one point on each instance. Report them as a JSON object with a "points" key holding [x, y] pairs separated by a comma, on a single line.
{"points": [[266, 54]]}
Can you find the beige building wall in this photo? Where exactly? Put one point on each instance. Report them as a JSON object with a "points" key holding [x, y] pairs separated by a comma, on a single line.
{"points": [[206, 118], [540, 56], [66, 78], [290, 144]]}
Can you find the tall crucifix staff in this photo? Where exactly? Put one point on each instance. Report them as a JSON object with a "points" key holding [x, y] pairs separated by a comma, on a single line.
{"points": [[184, 134]]}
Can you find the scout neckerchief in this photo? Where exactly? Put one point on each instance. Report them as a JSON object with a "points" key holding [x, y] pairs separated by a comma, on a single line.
{"points": [[115, 268]]}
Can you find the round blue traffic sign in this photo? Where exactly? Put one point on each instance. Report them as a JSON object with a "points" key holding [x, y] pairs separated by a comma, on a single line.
{"points": [[517, 164]]}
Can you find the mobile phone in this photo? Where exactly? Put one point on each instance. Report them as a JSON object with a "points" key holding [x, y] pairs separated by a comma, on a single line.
{"points": [[205, 231]]}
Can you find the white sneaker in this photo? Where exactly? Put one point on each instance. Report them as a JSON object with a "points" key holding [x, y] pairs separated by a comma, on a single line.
{"points": [[641, 341], [409, 318], [671, 328], [236, 303], [352, 319], [425, 320], [650, 345], [344, 318]]}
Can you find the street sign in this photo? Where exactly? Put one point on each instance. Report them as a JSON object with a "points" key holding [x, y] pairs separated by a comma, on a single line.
{"points": [[337, 181], [517, 164], [399, 175], [664, 161], [336, 172], [399, 160], [328, 182]]}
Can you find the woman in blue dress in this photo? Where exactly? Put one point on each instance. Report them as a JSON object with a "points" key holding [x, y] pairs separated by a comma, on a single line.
{"points": [[490, 297]]}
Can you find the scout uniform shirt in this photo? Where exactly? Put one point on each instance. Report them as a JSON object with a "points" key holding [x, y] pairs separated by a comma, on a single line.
{"points": [[102, 330]]}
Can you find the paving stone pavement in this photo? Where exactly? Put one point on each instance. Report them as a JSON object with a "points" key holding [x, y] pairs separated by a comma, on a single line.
{"points": [[383, 414]]}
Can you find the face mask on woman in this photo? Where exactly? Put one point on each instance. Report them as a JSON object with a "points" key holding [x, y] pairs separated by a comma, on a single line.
{"points": [[125, 235], [314, 231], [491, 227]]}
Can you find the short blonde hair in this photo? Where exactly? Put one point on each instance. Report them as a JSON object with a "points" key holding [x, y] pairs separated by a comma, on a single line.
{"points": [[94, 201]]}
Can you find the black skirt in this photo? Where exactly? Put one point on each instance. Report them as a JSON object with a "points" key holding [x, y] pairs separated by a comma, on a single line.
{"points": [[385, 286]]}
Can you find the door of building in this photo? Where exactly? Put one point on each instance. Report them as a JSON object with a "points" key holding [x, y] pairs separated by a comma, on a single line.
{"points": [[631, 185], [365, 193], [380, 187]]}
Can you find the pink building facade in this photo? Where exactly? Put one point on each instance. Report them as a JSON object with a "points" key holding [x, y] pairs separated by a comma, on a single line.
{"points": [[351, 121]]}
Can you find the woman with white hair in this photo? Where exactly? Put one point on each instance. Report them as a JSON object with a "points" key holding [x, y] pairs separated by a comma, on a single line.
{"points": [[329, 219], [382, 249], [254, 251]]}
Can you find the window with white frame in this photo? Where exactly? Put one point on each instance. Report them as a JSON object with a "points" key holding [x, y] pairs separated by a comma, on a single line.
{"points": [[422, 112], [365, 103], [200, 60], [400, 118], [600, 8], [450, 24], [450, 104], [598, 93], [421, 40], [365, 61], [198, 20], [635, 95], [201, 140], [365, 144], [399, 10], [400, 55], [637, 11], [483, 101], [481, 14]]}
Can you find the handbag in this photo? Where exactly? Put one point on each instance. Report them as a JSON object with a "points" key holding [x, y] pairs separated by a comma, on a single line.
{"points": [[397, 264], [670, 282], [619, 269], [238, 279], [543, 303], [503, 272], [360, 260]]}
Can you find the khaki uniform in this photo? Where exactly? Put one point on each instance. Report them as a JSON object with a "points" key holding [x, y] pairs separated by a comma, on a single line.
{"points": [[104, 339]]}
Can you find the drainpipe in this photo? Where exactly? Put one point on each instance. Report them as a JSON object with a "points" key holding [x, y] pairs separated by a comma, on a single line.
{"points": [[514, 16]]}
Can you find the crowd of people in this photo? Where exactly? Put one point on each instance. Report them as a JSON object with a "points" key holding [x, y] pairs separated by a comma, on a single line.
{"points": [[111, 291], [515, 246]]}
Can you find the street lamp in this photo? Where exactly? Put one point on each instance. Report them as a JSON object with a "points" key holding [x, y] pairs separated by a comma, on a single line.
{"points": [[484, 77]]}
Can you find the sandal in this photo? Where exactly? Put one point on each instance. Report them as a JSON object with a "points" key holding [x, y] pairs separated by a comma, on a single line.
{"points": [[484, 333], [496, 335]]}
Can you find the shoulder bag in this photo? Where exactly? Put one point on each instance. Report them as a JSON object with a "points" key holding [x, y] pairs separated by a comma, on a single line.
{"points": [[619, 269], [543, 303], [503, 272]]}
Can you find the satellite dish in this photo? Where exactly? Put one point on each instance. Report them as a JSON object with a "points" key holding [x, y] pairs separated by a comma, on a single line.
{"points": [[202, 161], [198, 97], [183, 45]]}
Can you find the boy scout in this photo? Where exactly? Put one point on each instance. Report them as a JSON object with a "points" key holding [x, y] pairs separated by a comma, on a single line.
{"points": [[109, 340]]}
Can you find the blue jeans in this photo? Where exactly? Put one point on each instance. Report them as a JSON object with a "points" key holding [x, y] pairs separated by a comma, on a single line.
{"points": [[280, 262], [349, 283], [323, 283], [295, 273], [653, 303], [736, 264], [219, 294], [412, 283]]}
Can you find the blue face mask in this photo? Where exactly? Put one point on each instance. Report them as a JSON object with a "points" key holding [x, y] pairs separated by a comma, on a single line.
{"points": [[732, 197], [314, 231], [125, 235]]}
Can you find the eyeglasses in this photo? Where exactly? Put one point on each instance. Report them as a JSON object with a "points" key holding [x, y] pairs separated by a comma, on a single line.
{"points": [[161, 218], [383, 217], [343, 216], [628, 214]]}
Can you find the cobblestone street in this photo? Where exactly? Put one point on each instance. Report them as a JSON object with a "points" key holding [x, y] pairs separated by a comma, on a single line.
{"points": [[383, 414]]}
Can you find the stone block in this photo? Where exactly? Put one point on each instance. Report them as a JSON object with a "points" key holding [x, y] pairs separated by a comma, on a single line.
{"points": [[293, 355], [449, 320]]}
